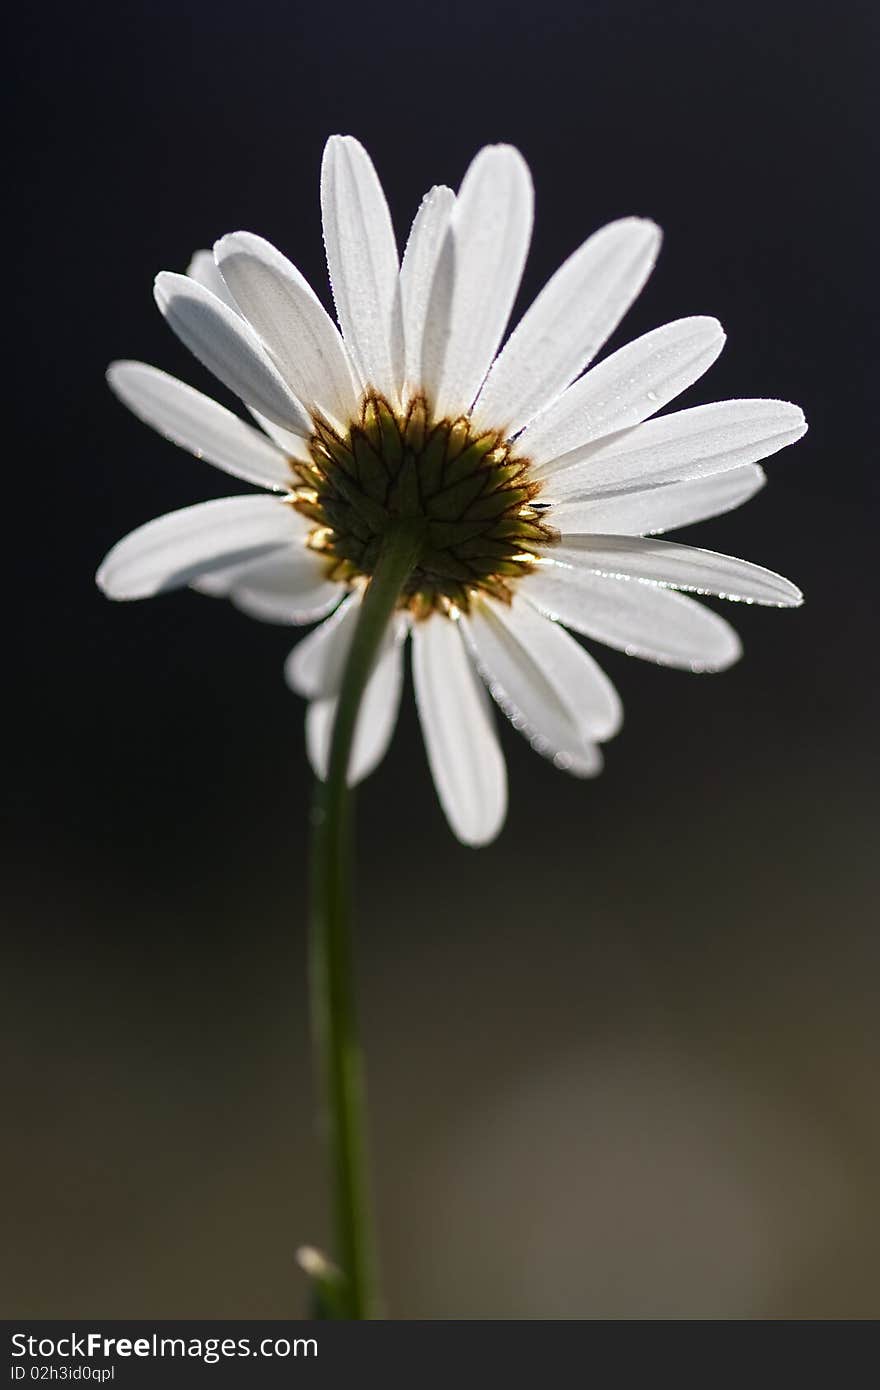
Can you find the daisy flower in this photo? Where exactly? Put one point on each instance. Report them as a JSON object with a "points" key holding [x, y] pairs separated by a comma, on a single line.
{"points": [[541, 487]]}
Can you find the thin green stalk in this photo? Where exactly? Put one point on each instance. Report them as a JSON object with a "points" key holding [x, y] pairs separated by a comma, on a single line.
{"points": [[334, 1022]]}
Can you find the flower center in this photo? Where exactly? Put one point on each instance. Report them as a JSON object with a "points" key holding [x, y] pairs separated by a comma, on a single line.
{"points": [[483, 525]]}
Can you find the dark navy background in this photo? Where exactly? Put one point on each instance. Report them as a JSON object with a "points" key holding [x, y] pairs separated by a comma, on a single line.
{"points": [[624, 1062]]}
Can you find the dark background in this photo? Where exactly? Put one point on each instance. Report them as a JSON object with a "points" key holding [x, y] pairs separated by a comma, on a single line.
{"points": [[622, 1063]]}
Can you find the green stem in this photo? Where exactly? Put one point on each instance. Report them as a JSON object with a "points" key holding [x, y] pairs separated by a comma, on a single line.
{"points": [[331, 972]]}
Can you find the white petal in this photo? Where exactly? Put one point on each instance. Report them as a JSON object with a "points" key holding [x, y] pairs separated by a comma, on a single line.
{"points": [[417, 274], [174, 549], [649, 511], [363, 263], [689, 444], [281, 305], [437, 322], [551, 689], [679, 567], [653, 623], [478, 275], [315, 666], [460, 738], [203, 269], [377, 718], [228, 347], [198, 424], [293, 445], [577, 310], [290, 586], [626, 387], [218, 583]]}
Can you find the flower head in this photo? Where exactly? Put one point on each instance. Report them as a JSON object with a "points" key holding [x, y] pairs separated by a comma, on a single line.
{"points": [[540, 486]]}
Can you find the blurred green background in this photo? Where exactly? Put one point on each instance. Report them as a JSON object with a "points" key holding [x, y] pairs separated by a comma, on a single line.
{"points": [[621, 1064]]}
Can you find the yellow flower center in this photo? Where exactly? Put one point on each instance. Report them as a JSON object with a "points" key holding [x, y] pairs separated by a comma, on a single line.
{"points": [[483, 524]]}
